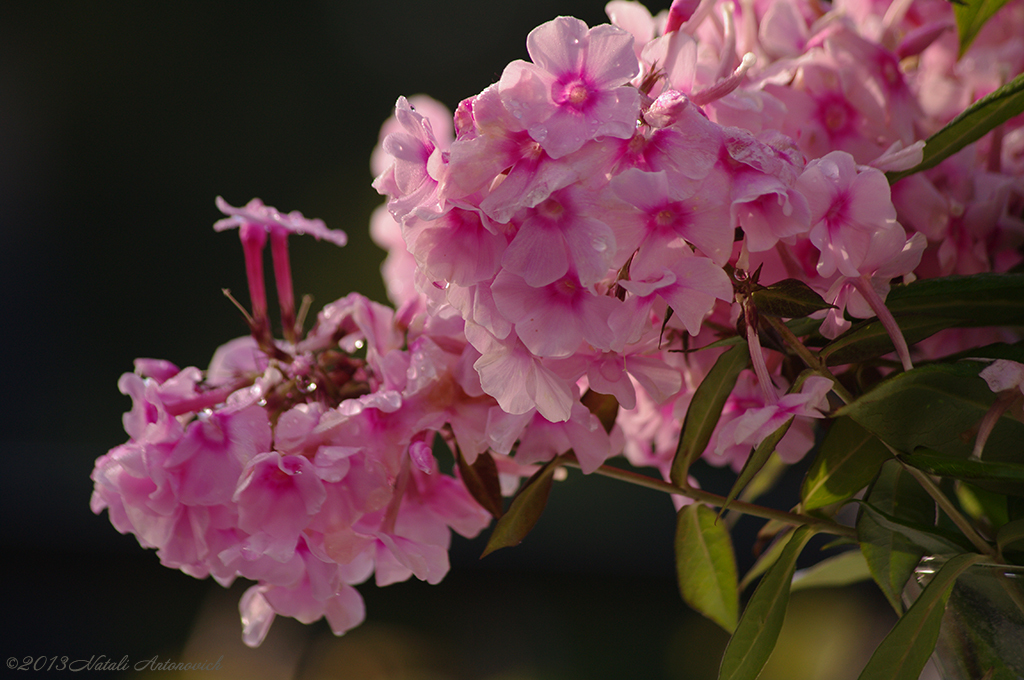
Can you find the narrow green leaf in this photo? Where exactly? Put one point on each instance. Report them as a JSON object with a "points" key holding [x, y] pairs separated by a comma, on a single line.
{"points": [[971, 16], [755, 462], [849, 458], [890, 555], [706, 565], [481, 480], [869, 339], [1007, 477], [976, 120], [934, 540], [1011, 535], [765, 560], [834, 572], [706, 408], [987, 299], [789, 298], [525, 510], [758, 628], [936, 407], [905, 650]]}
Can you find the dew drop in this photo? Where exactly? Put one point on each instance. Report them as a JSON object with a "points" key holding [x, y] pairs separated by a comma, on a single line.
{"points": [[539, 132], [599, 244]]}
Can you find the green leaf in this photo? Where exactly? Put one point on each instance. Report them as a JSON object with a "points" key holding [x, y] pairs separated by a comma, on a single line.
{"points": [[971, 16], [706, 565], [1007, 478], [706, 408], [971, 125], [869, 339], [755, 462], [890, 555], [905, 650], [758, 628], [1011, 535], [765, 560], [834, 572], [849, 458], [933, 540], [789, 298], [800, 328], [525, 510], [481, 480], [936, 407], [978, 300]]}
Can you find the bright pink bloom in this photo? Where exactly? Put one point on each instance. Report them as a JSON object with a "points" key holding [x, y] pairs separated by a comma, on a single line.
{"points": [[576, 88]]}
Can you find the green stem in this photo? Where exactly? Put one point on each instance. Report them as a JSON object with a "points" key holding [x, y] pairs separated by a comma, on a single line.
{"points": [[813, 361], [820, 524], [947, 506]]}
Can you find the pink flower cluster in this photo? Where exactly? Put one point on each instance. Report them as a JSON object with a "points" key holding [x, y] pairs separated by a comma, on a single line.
{"points": [[305, 466], [568, 230], [628, 168]]}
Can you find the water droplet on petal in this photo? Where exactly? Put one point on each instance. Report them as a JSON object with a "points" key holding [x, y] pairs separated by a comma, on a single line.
{"points": [[517, 114], [599, 244], [539, 132]]}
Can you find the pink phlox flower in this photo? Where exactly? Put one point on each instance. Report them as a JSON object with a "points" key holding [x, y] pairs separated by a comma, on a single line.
{"points": [[254, 212], [413, 181], [441, 124], [353, 323], [447, 499], [576, 89], [749, 429], [561, 233], [208, 460], [700, 216], [455, 248], [853, 220], [518, 379], [276, 497], [615, 373], [689, 284], [1003, 374], [633, 17], [554, 319], [582, 432], [686, 149], [675, 55], [319, 593], [237, 361], [782, 30]]}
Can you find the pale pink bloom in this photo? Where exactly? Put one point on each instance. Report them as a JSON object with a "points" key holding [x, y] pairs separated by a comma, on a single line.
{"points": [[668, 211], [554, 319], [559, 234], [254, 212], [440, 118], [576, 88], [1002, 375], [749, 429], [518, 379], [853, 220], [413, 181], [455, 248], [582, 432], [688, 283]]}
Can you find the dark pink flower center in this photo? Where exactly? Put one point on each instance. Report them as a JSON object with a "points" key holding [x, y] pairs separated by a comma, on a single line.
{"points": [[575, 93]]}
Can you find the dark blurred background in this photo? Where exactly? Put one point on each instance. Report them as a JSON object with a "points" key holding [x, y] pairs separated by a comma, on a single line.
{"points": [[119, 124]]}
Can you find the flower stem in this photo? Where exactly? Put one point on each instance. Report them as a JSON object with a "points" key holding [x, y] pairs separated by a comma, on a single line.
{"points": [[813, 361], [947, 506], [819, 523], [864, 287]]}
